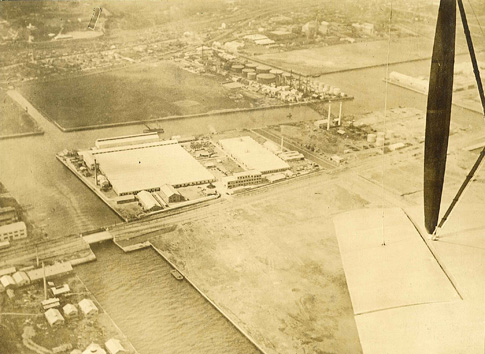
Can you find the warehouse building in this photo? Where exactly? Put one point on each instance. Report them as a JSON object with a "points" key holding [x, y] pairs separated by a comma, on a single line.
{"points": [[291, 156], [147, 201], [51, 271], [14, 231], [21, 278], [418, 83], [170, 194], [252, 155], [146, 167]]}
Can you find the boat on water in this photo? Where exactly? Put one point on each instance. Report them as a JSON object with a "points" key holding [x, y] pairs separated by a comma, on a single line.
{"points": [[153, 130], [175, 273]]}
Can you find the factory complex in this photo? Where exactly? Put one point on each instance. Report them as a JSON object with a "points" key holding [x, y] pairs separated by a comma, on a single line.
{"points": [[253, 156], [142, 174]]}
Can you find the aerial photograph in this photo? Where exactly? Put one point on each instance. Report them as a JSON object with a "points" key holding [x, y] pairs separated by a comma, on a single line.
{"points": [[242, 176]]}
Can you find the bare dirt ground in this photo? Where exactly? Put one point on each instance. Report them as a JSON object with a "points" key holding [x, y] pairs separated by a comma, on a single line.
{"points": [[271, 262], [138, 93]]}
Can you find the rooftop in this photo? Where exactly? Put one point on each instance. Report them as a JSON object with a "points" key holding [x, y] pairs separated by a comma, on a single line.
{"points": [[253, 155], [12, 227], [147, 168]]}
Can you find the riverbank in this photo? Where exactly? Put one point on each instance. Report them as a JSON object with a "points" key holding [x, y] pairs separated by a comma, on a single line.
{"points": [[267, 266]]}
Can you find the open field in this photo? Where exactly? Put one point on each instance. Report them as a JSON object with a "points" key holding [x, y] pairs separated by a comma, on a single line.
{"points": [[13, 120], [324, 60], [139, 93], [272, 264]]}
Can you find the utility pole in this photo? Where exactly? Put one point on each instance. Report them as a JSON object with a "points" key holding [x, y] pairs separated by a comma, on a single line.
{"points": [[45, 283], [340, 114], [95, 172]]}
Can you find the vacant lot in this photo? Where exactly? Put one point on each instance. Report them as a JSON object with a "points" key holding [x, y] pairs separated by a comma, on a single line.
{"points": [[138, 93], [271, 261], [324, 60]]}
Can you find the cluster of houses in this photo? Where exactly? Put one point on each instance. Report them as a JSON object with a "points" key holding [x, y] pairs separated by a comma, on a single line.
{"points": [[11, 278], [55, 314], [70, 312]]}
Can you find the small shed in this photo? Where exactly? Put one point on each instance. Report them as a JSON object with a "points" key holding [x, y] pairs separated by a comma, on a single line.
{"points": [[94, 348], [21, 278], [170, 194], [54, 317], [114, 346], [88, 308], [337, 159], [147, 201], [70, 311], [276, 177], [7, 282]]}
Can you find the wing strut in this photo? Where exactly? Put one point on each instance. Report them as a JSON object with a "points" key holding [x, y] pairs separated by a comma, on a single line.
{"points": [[482, 98], [438, 112]]}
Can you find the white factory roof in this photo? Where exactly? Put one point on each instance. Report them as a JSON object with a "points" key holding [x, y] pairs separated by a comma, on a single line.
{"points": [[50, 271], [272, 146], [253, 155], [255, 37], [147, 168], [12, 227]]}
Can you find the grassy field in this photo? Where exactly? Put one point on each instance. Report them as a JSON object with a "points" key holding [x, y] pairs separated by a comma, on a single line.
{"points": [[13, 120], [319, 61], [138, 93]]}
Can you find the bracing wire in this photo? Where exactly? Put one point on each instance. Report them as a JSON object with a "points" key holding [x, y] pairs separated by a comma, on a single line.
{"points": [[476, 18], [385, 120]]}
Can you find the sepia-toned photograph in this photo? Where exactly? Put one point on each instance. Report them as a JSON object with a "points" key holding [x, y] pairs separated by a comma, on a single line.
{"points": [[242, 177]]}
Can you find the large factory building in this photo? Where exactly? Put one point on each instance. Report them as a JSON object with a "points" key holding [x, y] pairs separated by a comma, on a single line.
{"points": [[145, 167], [253, 156]]}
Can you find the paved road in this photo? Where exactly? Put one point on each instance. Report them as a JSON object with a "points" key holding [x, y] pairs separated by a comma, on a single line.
{"points": [[42, 121]]}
